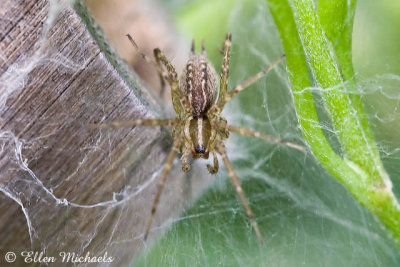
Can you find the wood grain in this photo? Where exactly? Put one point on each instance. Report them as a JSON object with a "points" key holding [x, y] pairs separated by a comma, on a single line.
{"points": [[65, 186]]}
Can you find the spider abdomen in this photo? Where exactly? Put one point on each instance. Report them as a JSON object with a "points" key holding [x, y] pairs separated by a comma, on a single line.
{"points": [[198, 82]]}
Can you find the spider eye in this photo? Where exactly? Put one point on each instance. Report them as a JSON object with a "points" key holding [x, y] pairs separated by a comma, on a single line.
{"points": [[200, 149]]}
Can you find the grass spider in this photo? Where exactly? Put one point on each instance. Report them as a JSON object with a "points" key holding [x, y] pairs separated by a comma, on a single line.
{"points": [[198, 128]]}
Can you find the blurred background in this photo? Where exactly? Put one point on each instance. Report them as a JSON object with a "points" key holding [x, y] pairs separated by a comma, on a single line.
{"points": [[306, 217]]}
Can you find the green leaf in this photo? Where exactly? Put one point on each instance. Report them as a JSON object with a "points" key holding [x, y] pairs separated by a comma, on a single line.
{"points": [[360, 170]]}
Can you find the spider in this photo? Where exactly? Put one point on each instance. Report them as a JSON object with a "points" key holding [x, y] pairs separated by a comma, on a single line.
{"points": [[198, 128]]}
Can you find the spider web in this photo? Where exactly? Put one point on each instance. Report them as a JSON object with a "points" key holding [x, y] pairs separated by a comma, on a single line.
{"points": [[306, 217]]}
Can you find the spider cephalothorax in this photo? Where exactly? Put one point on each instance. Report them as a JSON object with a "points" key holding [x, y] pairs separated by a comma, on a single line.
{"points": [[198, 127]]}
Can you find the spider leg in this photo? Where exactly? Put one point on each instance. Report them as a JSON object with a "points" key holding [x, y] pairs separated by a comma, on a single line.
{"points": [[249, 82], [203, 48], [192, 47], [185, 159], [235, 181], [224, 71], [160, 57], [116, 124], [178, 99], [160, 71], [160, 185], [213, 169], [162, 80], [170, 75], [270, 138]]}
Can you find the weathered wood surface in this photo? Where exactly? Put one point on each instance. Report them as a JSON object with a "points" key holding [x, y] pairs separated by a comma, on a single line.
{"points": [[65, 186]]}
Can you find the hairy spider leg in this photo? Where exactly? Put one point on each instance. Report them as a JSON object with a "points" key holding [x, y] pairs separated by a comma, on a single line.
{"points": [[203, 48], [161, 72], [185, 159], [173, 76], [162, 80], [270, 138], [167, 167], [248, 82], [236, 183], [192, 47], [116, 124], [213, 169], [178, 99], [224, 70]]}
